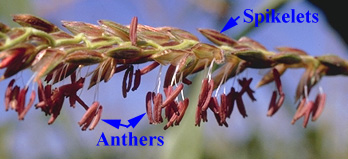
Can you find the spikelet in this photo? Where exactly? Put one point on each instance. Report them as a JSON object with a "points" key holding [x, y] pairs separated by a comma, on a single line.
{"points": [[53, 55]]}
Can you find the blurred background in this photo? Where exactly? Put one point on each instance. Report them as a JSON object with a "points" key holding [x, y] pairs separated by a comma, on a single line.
{"points": [[256, 136]]}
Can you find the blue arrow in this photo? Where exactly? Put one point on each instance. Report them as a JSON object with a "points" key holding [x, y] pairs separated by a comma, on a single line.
{"points": [[117, 122], [231, 23]]}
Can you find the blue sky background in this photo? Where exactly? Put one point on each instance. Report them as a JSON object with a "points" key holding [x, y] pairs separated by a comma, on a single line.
{"points": [[33, 138]]}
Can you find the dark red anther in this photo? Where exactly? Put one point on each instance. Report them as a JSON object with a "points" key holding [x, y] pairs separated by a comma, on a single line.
{"points": [[149, 68], [121, 68], [240, 105], [173, 117], [79, 100], [21, 100], [204, 92], [174, 106], [48, 94], [169, 76], [246, 88], [124, 83], [276, 76], [127, 86], [137, 80], [201, 100], [280, 101], [182, 108], [231, 97], [9, 89], [149, 97], [173, 95], [72, 102], [57, 104], [209, 94], [73, 77], [272, 104], [14, 97], [168, 111], [204, 116], [157, 102], [40, 91], [28, 106], [223, 108], [168, 91], [275, 106], [214, 105], [170, 122], [218, 119], [198, 116], [49, 77], [186, 81], [130, 78]]}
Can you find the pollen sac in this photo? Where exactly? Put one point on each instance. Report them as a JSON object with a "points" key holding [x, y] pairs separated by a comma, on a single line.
{"points": [[27, 20], [217, 38], [124, 52], [84, 57]]}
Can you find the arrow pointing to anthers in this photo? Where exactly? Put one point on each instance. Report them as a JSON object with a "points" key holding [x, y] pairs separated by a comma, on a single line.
{"points": [[117, 122], [231, 23]]}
